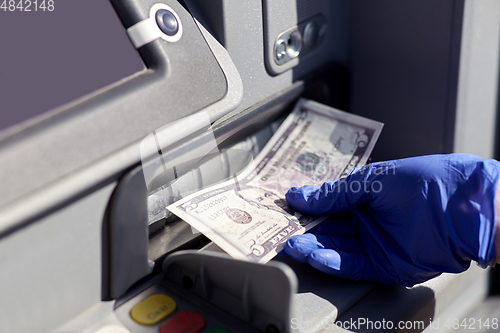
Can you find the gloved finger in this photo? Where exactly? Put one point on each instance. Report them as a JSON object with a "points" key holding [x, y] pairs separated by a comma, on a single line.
{"points": [[301, 246], [341, 243], [344, 264], [336, 196]]}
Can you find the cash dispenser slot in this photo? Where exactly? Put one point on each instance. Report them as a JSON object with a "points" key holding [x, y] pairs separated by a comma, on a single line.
{"points": [[146, 249], [147, 258], [130, 251], [158, 288]]}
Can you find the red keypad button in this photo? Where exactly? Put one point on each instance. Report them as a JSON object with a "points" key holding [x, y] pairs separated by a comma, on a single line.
{"points": [[184, 322]]}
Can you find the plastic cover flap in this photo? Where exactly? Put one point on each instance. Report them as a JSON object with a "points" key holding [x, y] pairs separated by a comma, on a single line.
{"points": [[255, 293]]}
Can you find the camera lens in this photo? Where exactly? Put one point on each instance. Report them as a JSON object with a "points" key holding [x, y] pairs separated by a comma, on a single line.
{"points": [[167, 22], [280, 50]]}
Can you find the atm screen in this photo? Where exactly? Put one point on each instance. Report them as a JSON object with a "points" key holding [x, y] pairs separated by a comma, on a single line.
{"points": [[42, 69]]}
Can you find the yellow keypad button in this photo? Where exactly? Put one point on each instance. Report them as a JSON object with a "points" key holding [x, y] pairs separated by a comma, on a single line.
{"points": [[153, 309]]}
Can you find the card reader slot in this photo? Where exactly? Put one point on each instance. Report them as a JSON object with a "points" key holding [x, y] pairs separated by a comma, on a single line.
{"points": [[167, 233], [222, 166]]}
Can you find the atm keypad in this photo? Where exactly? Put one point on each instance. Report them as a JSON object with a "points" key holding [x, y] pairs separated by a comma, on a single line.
{"points": [[159, 310]]}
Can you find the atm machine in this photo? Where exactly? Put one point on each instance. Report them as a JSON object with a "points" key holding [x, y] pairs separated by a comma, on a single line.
{"points": [[87, 246]]}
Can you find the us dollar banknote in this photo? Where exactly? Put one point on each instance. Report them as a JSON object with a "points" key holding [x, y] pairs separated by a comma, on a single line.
{"points": [[247, 216]]}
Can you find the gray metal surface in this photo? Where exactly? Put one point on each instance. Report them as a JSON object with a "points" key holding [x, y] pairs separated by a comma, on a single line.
{"points": [[404, 65], [418, 305], [471, 292], [280, 15], [80, 135], [126, 237], [51, 270], [108, 166], [487, 312], [239, 27], [477, 104], [260, 295], [341, 293], [333, 295]]}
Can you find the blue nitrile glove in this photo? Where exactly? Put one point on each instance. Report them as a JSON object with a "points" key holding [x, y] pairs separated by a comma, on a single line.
{"points": [[404, 221]]}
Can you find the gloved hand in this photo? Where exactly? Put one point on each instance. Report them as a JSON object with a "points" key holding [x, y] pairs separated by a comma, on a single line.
{"points": [[403, 221]]}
